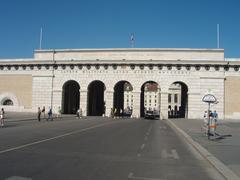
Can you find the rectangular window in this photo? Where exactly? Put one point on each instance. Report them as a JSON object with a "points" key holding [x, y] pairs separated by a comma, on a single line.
{"points": [[169, 98], [175, 98]]}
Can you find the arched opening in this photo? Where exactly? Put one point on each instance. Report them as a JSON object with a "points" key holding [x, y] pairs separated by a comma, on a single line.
{"points": [[7, 102], [150, 98], [123, 98], [96, 104], [70, 97], [178, 100]]}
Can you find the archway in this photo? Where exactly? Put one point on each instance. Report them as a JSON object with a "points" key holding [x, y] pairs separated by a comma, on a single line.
{"points": [[70, 99], [178, 100], [7, 102], [150, 98], [96, 104], [123, 98]]}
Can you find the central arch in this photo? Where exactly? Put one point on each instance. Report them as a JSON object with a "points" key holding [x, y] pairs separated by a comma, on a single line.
{"points": [[123, 98], [150, 97], [96, 104], [178, 100], [70, 97]]}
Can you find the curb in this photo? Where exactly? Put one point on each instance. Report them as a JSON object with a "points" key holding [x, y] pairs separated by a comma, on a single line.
{"points": [[217, 164]]}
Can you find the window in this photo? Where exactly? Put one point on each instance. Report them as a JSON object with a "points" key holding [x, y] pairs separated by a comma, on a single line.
{"points": [[175, 98], [169, 98]]}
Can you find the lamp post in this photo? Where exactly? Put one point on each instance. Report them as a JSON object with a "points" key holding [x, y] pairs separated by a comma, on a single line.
{"points": [[159, 101], [53, 66]]}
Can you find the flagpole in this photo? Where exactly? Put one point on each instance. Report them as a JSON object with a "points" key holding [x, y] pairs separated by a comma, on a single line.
{"points": [[40, 43], [218, 38]]}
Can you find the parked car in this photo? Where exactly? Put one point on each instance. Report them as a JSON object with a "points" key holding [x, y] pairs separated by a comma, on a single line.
{"points": [[150, 114]]}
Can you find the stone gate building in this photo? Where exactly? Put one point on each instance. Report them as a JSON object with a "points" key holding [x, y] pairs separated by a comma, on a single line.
{"points": [[94, 79]]}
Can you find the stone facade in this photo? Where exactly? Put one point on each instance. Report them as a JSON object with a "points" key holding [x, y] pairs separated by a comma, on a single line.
{"points": [[39, 81]]}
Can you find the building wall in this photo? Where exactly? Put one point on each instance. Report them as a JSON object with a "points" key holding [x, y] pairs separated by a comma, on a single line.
{"points": [[39, 84], [131, 54], [232, 98], [18, 88]]}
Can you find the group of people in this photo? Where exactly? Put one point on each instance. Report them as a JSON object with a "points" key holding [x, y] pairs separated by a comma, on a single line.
{"points": [[212, 116], [127, 112], [2, 114], [50, 113], [210, 121]]}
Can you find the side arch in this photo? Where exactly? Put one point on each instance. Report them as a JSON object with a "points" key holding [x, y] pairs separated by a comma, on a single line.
{"points": [[70, 97]]}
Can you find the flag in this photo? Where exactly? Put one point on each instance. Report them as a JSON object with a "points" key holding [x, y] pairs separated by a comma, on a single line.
{"points": [[132, 40], [132, 37]]}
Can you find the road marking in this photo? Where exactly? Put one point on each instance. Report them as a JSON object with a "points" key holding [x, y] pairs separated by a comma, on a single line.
{"points": [[173, 154], [56, 137], [130, 176], [150, 128], [143, 145], [18, 178], [163, 127]]}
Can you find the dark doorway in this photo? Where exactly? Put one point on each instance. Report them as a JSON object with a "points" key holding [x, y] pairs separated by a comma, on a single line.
{"points": [[150, 99], [96, 105], [179, 91], [71, 94], [119, 103]]}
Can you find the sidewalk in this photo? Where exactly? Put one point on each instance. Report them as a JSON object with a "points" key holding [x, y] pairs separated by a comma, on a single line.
{"points": [[226, 149], [27, 116]]}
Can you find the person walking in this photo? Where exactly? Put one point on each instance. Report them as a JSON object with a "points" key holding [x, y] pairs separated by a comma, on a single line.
{"points": [[39, 114], [50, 114], [43, 111], [2, 112], [59, 112]]}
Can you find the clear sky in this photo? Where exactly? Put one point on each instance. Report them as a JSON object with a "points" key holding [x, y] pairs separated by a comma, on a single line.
{"points": [[109, 24]]}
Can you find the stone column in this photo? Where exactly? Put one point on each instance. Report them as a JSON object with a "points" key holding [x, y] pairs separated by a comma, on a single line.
{"points": [[136, 103], [164, 105], [108, 98], [83, 101]]}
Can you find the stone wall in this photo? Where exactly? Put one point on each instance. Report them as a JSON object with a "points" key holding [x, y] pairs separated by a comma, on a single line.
{"points": [[18, 88], [232, 98]]}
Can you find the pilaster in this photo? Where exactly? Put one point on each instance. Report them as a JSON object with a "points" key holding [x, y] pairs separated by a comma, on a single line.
{"points": [[136, 104], [83, 101]]}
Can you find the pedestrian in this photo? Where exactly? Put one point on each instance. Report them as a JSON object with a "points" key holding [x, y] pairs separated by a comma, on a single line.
{"points": [[78, 114], [215, 116], [115, 113], [43, 111], [121, 113], [205, 117], [59, 112], [111, 113], [39, 114], [2, 112], [50, 114]]}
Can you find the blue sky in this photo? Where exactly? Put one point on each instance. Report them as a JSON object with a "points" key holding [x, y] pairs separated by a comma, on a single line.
{"points": [[109, 24]]}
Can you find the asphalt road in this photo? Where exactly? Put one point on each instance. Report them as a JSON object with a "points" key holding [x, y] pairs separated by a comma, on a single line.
{"points": [[98, 149]]}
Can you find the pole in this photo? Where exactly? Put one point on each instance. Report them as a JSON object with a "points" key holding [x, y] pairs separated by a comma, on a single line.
{"points": [[40, 43], [208, 125], [53, 66], [218, 39]]}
